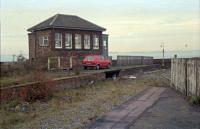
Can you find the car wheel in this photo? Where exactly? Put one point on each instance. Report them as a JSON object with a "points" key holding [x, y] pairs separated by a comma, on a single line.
{"points": [[85, 67], [97, 67]]}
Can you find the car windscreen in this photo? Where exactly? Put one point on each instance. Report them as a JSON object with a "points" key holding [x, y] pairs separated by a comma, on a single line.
{"points": [[90, 58]]}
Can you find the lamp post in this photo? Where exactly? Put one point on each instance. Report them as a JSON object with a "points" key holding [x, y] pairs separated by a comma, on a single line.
{"points": [[13, 57], [163, 54]]}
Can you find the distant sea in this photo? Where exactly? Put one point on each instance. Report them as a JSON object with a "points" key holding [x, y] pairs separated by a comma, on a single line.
{"points": [[158, 54], [9, 58], [154, 54]]}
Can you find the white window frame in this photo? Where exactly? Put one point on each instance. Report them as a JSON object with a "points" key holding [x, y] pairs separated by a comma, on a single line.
{"points": [[78, 41], [95, 42], [58, 39], [68, 41], [87, 42], [42, 40]]}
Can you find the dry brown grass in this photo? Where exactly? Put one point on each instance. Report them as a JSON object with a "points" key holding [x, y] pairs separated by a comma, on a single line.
{"points": [[16, 79], [23, 75], [74, 108]]}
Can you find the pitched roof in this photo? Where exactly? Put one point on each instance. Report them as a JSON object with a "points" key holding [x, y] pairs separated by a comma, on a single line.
{"points": [[66, 21]]}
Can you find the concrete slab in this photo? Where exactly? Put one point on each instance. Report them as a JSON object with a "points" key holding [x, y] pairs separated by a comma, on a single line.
{"points": [[171, 111], [124, 115]]}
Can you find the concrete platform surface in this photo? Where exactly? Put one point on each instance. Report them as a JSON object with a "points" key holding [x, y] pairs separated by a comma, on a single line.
{"points": [[123, 116], [171, 111]]}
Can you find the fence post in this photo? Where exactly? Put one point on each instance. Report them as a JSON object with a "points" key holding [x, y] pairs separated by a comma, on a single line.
{"points": [[48, 63], [58, 62], [70, 62], [172, 73], [186, 86], [196, 77]]}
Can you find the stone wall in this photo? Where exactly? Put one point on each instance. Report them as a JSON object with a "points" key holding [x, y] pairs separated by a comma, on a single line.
{"points": [[185, 76]]}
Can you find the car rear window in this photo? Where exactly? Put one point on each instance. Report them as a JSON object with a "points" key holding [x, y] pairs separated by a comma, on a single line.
{"points": [[90, 58]]}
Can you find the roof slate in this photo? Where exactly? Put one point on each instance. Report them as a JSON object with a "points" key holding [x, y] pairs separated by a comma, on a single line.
{"points": [[67, 22]]}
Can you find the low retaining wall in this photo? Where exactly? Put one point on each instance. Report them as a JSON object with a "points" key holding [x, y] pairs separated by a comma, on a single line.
{"points": [[185, 76], [22, 91], [78, 81]]}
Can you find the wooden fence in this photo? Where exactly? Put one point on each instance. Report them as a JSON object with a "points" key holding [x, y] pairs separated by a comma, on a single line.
{"points": [[64, 63], [134, 60], [185, 76]]}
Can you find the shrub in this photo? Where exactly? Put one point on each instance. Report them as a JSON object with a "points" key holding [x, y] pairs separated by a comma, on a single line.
{"points": [[11, 104], [77, 72], [43, 89], [17, 68], [195, 100]]}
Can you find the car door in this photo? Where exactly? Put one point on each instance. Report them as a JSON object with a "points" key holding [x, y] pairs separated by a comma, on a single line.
{"points": [[106, 62], [101, 61]]}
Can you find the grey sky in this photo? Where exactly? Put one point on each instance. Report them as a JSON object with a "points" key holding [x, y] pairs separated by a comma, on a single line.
{"points": [[132, 25]]}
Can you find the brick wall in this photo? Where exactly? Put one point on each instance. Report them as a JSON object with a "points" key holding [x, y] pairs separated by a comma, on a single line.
{"points": [[35, 50], [31, 40], [43, 50]]}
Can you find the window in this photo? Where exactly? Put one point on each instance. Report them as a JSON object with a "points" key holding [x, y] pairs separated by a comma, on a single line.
{"points": [[58, 40], [68, 41], [90, 58], [95, 42], [86, 41], [43, 41], [77, 41], [105, 44]]}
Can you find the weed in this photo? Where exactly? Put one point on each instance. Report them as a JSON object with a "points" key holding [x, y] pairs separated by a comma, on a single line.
{"points": [[11, 104], [42, 89], [77, 72], [195, 100], [85, 103]]}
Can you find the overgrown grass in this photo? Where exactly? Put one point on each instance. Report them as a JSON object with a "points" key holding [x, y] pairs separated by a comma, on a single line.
{"points": [[195, 100], [16, 79], [22, 76], [73, 108]]}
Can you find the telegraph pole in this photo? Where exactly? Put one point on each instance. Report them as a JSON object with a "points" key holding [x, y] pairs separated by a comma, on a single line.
{"points": [[13, 57], [163, 53]]}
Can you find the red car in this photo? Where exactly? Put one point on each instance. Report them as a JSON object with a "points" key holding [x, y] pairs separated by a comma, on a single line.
{"points": [[96, 61]]}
